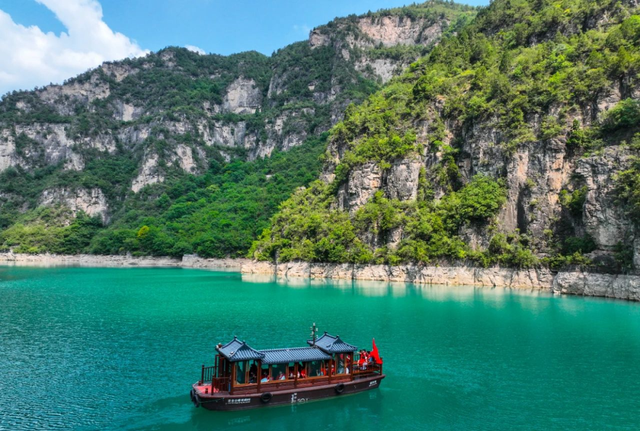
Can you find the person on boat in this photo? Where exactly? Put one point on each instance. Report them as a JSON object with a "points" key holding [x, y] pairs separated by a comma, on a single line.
{"points": [[281, 376], [265, 377], [362, 362], [303, 372], [322, 370]]}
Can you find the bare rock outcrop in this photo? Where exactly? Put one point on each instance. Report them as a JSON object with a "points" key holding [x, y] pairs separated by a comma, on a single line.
{"points": [[402, 180], [604, 220], [396, 30], [149, 173], [362, 184], [8, 156], [92, 202], [243, 97]]}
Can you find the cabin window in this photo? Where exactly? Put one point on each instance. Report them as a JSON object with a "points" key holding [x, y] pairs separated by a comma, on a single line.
{"points": [[292, 371], [279, 371], [343, 362], [317, 368], [253, 372], [303, 370], [265, 376], [241, 372]]}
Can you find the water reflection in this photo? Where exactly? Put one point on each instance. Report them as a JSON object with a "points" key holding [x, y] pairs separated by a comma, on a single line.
{"points": [[350, 411], [368, 288]]}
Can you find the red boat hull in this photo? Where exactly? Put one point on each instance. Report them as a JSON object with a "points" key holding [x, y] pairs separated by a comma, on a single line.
{"points": [[226, 402]]}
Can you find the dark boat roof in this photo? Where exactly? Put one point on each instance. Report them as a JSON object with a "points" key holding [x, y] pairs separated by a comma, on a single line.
{"points": [[237, 350], [325, 346], [293, 354], [330, 344]]}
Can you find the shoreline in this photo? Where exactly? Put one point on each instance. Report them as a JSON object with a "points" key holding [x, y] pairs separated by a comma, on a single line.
{"points": [[575, 282], [617, 286], [114, 261]]}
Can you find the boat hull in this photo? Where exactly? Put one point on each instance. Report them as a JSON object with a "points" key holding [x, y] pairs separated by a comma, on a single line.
{"points": [[226, 402]]}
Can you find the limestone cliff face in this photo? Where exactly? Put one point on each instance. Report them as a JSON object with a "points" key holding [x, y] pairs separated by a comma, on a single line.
{"points": [[536, 176], [243, 97], [90, 201], [388, 31], [539, 172]]}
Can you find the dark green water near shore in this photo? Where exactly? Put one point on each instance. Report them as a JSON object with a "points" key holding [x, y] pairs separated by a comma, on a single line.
{"points": [[119, 348]]}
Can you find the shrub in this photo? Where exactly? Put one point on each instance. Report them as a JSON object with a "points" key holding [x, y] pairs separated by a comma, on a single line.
{"points": [[624, 115]]}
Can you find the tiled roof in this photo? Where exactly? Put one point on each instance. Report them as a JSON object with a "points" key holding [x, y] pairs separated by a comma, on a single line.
{"points": [[237, 350], [331, 344], [293, 354], [325, 346]]}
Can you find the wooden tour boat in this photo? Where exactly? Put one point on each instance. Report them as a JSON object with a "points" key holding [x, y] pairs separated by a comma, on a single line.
{"points": [[245, 378]]}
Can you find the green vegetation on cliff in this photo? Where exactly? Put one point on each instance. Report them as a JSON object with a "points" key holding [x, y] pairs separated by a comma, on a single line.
{"points": [[214, 215], [523, 71], [308, 227]]}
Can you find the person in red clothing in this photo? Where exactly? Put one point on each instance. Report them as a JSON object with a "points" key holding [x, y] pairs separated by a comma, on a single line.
{"points": [[362, 362]]}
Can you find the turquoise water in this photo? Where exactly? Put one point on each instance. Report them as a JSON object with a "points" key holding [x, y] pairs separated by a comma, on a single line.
{"points": [[119, 348]]}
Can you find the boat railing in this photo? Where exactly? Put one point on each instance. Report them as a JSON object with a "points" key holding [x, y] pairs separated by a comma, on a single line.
{"points": [[369, 368], [208, 374], [221, 384]]}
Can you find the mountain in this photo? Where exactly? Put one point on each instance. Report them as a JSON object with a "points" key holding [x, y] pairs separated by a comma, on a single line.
{"points": [[514, 142], [178, 152]]}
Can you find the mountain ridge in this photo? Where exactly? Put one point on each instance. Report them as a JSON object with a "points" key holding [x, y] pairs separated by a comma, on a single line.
{"points": [[114, 140]]}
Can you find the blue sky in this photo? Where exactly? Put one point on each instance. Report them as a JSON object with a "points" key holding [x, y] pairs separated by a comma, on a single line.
{"points": [[132, 27]]}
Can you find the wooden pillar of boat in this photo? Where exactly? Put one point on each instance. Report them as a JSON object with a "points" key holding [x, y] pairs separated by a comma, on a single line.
{"points": [[295, 375], [351, 366], [214, 374], [233, 377], [259, 374]]}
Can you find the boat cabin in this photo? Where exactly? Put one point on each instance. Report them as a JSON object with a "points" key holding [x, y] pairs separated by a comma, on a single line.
{"points": [[240, 369]]}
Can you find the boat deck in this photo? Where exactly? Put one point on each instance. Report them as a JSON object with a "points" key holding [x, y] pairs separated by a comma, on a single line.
{"points": [[283, 385]]}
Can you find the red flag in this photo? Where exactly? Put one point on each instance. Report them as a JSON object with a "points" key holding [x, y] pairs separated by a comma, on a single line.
{"points": [[374, 353]]}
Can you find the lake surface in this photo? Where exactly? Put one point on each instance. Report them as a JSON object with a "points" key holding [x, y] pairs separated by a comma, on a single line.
{"points": [[85, 348]]}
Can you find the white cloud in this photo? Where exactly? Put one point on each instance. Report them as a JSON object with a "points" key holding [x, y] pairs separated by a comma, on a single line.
{"points": [[195, 49], [29, 57]]}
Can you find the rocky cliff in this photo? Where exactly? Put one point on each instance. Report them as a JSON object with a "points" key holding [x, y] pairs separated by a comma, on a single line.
{"points": [[570, 282], [512, 143], [97, 141]]}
